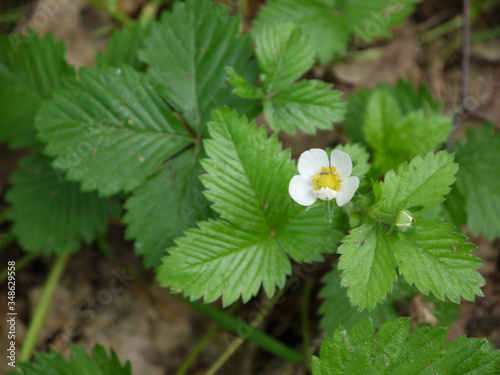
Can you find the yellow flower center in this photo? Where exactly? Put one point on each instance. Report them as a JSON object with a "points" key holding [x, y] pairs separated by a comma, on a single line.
{"points": [[328, 177]]}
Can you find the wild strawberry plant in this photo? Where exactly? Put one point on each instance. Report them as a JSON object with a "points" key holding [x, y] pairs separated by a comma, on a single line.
{"points": [[164, 126]]}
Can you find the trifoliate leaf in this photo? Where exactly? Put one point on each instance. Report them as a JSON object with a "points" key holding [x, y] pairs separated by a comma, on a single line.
{"points": [[110, 129], [368, 266], [188, 51], [478, 181], [419, 185], [30, 69], [307, 105], [260, 227], [336, 310], [164, 206], [393, 350], [329, 23], [408, 100], [123, 47], [284, 54], [79, 363], [437, 260], [50, 214]]}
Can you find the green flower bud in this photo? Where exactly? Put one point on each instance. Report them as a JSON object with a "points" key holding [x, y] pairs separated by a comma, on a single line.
{"points": [[403, 221]]}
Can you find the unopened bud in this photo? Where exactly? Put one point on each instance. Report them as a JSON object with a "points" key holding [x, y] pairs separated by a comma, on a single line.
{"points": [[403, 221]]}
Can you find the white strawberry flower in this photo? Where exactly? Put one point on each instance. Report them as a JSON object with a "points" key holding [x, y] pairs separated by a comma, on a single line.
{"points": [[324, 178]]}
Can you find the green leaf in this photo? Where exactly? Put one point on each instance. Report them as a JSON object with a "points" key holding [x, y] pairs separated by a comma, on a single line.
{"points": [[52, 215], [397, 139], [427, 132], [284, 54], [259, 227], [123, 47], [110, 130], [307, 105], [53, 363], [222, 259], [437, 260], [455, 206], [30, 69], [478, 180], [242, 87], [393, 350], [307, 235], [329, 23], [243, 180], [408, 100], [421, 184], [336, 310], [188, 51], [382, 114], [368, 266], [164, 206]]}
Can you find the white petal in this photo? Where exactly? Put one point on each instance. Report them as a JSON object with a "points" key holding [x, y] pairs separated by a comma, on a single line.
{"points": [[347, 189], [300, 189], [326, 194], [342, 162], [310, 162]]}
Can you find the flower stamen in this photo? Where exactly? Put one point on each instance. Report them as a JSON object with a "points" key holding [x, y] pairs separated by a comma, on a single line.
{"points": [[327, 178]]}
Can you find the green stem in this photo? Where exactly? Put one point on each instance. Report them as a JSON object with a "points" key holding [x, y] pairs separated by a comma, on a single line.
{"points": [[376, 214], [304, 317], [197, 350], [20, 264], [113, 13], [240, 340], [43, 307], [245, 330]]}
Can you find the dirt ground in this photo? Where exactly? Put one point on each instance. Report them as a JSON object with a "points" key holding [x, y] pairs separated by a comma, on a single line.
{"points": [[98, 302]]}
